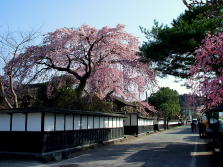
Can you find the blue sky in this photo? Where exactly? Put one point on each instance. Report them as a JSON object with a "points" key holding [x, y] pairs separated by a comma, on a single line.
{"points": [[48, 15]]}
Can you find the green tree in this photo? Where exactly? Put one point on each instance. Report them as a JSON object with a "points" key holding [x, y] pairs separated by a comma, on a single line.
{"points": [[166, 101], [66, 97], [190, 4], [171, 47]]}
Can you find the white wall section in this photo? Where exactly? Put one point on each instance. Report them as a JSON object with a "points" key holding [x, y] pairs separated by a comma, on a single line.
{"points": [[49, 122], [4, 122], [102, 122], [96, 122], [34, 122], [84, 122], [59, 122], [69, 122], [77, 122], [18, 122], [90, 122]]}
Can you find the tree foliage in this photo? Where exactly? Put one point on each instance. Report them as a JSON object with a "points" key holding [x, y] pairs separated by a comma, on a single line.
{"points": [[207, 73], [166, 101], [171, 47], [66, 98], [190, 4], [101, 61], [189, 101]]}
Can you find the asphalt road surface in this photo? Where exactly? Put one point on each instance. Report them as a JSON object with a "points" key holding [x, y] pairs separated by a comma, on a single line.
{"points": [[178, 147]]}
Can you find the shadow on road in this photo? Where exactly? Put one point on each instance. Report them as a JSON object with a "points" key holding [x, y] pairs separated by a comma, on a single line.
{"points": [[152, 155], [173, 154], [183, 131]]}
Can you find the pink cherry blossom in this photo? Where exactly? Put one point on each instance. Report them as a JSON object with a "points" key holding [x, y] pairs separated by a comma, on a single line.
{"points": [[207, 73], [100, 60], [149, 107]]}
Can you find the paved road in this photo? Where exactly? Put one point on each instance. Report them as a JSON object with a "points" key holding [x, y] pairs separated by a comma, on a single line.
{"points": [[177, 147]]}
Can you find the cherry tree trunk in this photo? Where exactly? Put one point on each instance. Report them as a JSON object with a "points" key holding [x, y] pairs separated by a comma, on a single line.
{"points": [[81, 86]]}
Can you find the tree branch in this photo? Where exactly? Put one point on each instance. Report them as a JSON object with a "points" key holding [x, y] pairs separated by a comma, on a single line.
{"points": [[12, 90], [69, 61], [53, 66], [4, 94], [186, 4]]}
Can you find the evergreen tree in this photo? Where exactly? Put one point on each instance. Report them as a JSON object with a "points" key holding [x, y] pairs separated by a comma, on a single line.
{"points": [[171, 47]]}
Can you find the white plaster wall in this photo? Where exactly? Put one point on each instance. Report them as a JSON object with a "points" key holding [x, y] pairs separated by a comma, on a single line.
{"points": [[150, 122], [173, 123], [4, 122], [121, 122], [114, 122], [90, 122], [84, 122], [77, 122], [102, 122], [110, 122], [96, 123], [49, 122], [161, 122], [118, 122], [18, 122], [59, 122], [34, 122], [139, 122], [69, 122], [106, 122]]}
